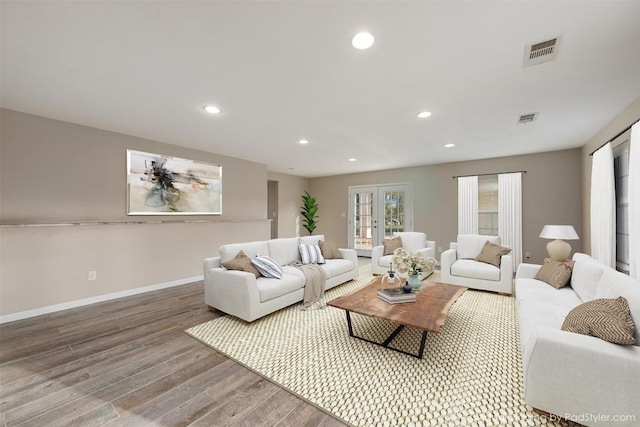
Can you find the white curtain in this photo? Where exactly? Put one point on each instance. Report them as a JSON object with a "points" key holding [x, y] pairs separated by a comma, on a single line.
{"points": [[510, 214], [603, 207], [634, 202], [468, 205]]}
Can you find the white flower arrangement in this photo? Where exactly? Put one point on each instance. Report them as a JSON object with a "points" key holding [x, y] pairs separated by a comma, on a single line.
{"points": [[413, 263]]}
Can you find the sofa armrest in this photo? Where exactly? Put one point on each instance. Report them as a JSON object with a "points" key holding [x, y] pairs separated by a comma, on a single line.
{"points": [[233, 292], [567, 373], [428, 252], [506, 267], [351, 255], [208, 264], [376, 253], [527, 271]]}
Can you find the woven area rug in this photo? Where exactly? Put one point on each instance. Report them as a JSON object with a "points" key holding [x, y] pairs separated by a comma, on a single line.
{"points": [[470, 374]]}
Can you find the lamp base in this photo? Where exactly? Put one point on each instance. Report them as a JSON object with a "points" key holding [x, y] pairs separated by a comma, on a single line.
{"points": [[558, 250]]}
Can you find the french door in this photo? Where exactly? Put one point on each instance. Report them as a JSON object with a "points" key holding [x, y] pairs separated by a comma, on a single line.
{"points": [[375, 212]]}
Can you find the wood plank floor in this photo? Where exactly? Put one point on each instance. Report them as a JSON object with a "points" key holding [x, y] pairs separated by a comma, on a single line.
{"points": [[128, 362]]}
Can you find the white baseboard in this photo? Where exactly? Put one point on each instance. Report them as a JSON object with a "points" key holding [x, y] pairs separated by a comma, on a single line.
{"points": [[100, 298]]}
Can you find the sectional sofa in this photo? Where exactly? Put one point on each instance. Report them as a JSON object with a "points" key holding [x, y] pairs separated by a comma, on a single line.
{"points": [[580, 377], [241, 294]]}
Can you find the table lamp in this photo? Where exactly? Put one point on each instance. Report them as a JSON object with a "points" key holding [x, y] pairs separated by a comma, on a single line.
{"points": [[558, 249]]}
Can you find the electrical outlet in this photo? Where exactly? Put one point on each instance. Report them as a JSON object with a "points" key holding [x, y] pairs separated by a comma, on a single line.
{"points": [[527, 255], [439, 249], [92, 275]]}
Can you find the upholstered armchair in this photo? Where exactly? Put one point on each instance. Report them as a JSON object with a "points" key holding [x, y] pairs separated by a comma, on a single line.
{"points": [[412, 241], [458, 267]]}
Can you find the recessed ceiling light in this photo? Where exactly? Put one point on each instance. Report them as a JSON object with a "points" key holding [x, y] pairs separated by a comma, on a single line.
{"points": [[211, 109], [303, 141], [352, 159], [362, 40], [449, 145], [423, 114]]}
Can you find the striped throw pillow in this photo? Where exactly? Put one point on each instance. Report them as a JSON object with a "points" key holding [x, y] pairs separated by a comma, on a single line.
{"points": [[311, 254], [267, 266]]}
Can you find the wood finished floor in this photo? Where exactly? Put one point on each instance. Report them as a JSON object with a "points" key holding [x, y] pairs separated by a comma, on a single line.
{"points": [[128, 362]]}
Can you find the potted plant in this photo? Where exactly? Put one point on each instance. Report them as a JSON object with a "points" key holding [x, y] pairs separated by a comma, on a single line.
{"points": [[309, 212]]}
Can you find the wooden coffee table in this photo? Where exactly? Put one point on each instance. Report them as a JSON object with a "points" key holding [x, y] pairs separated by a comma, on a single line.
{"points": [[427, 313]]}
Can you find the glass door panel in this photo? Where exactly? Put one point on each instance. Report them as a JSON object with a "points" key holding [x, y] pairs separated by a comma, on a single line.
{"points": [[389, 204], [363, 220]]}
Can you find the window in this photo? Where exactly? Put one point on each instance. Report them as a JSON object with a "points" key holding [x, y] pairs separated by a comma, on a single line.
{"points": [[488, 205], [621, 173]]}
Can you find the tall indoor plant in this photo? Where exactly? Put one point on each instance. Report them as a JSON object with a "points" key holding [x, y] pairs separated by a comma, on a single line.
{"points": [[309, 212]]}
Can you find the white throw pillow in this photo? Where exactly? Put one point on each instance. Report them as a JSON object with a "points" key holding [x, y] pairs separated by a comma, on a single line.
{"points": [[311, 254], [267, 267]]}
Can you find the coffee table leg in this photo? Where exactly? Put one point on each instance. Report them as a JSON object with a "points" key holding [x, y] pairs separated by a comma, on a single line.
{"points": [[386, 342], [349, 323], [422, 343]]}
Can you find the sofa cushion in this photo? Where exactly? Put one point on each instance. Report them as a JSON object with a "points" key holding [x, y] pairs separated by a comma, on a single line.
{"points": [[614, 284], [251, 249], [539, 314], [470, 245], [330, 250], [294, 271], [586, 276], [266, 266], [555, 273], [608, 319], [492, 253], [412, 241], [535, 290], [311, 254], [336, 267], [312, 240], [284, 251], [391, 245], [242, 263], [475, 269], [269, 289]]}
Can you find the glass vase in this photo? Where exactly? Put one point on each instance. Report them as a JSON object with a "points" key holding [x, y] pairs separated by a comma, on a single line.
{"points": [[414, 281]]}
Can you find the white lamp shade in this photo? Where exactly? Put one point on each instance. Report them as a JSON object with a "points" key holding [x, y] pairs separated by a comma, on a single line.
{"points": [[564, 232]]}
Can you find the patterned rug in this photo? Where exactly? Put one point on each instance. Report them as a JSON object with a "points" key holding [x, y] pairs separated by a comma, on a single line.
{"points": [[470, 374]]}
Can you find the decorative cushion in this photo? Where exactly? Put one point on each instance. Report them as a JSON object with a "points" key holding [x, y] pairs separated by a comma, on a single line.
{"points": [[391, 245], [491, 253], [311, 254], [586, 276], [470, 245], [267, 267], [608, 319], [329, 250], [555, 273], [242, 263]]}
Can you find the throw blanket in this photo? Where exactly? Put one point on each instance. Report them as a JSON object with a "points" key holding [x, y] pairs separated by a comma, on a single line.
{"points": [[315, 280]]}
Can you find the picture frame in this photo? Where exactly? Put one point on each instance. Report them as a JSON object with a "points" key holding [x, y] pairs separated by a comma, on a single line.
{"points": [[166, 185]]}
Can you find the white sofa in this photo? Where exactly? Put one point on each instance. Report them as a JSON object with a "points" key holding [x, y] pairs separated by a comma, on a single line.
{"points": [[243, 295], [572, 375], [412, 241], [457, 266]]}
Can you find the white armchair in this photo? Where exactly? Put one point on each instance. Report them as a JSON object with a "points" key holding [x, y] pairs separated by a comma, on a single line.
{"points": [[458, 267], [412, 241]]}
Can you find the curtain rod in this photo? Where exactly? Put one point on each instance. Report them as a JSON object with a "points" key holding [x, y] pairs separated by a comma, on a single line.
{"points": [[485, 174], [617, 135]]}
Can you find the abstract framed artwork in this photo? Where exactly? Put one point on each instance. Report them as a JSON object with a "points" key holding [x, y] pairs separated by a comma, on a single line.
{"points": [[164, 185]]}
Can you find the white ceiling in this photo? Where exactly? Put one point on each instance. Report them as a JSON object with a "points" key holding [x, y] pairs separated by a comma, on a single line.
{"points": [[285, 70]]}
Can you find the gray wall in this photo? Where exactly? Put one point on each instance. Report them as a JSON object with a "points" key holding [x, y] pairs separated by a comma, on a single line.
{"points": [[58, 172], [551, 191]]}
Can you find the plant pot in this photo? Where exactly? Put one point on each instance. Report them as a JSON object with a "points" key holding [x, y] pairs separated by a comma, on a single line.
{"points": [[414, 281]]}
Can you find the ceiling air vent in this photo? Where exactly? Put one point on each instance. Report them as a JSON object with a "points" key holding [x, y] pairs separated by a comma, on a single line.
{"points": [[527, 118], [538, 53]]}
